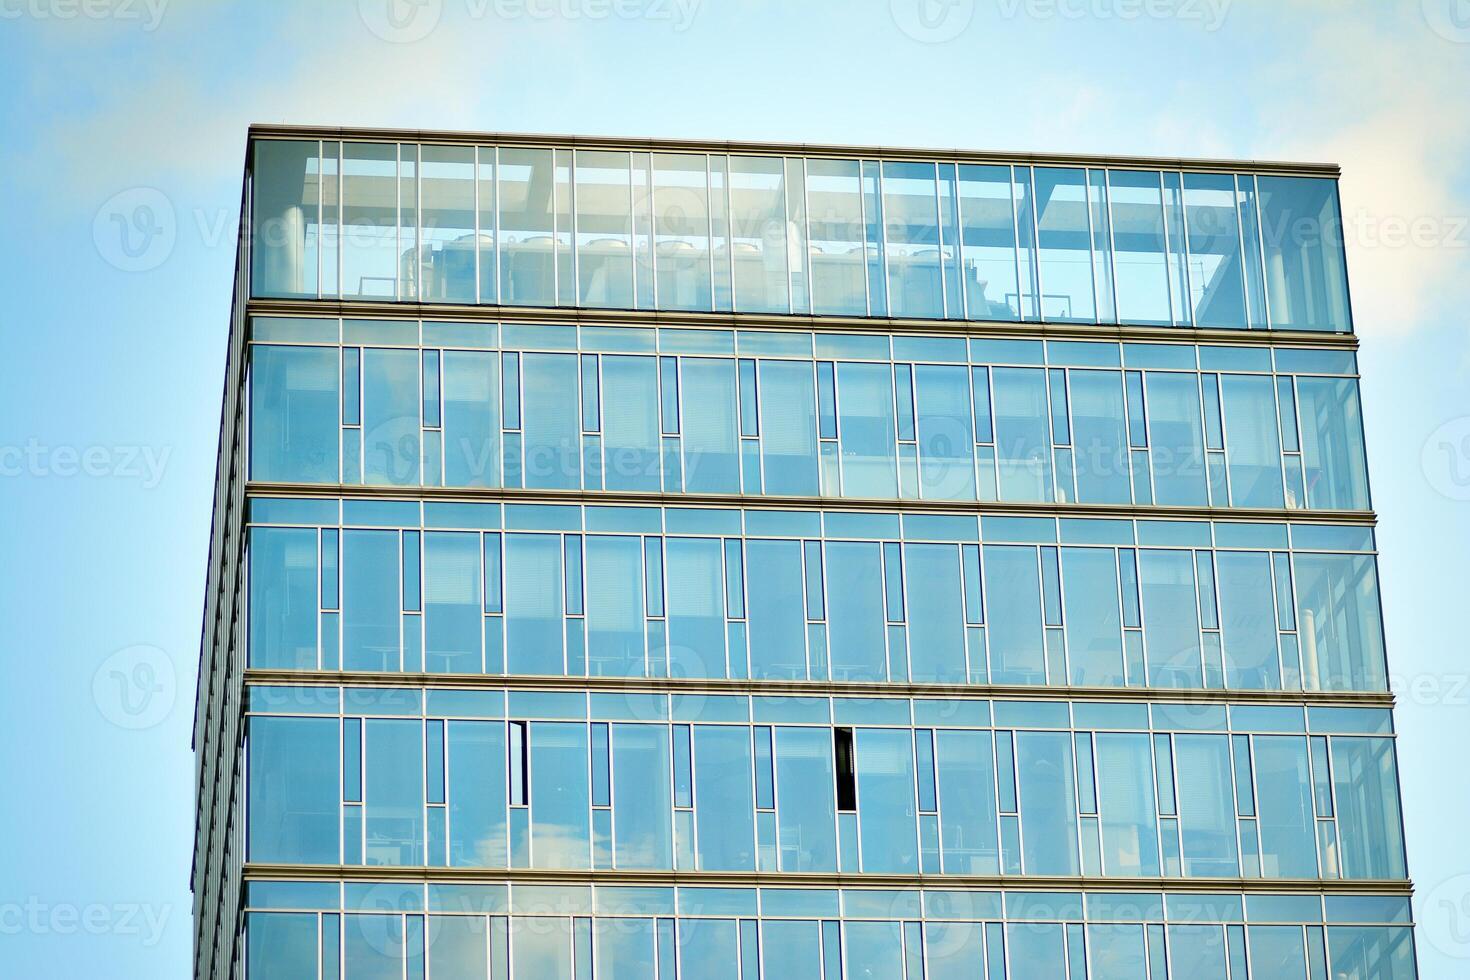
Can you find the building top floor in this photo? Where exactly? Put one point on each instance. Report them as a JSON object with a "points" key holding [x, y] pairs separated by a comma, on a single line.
{"points": [[575, 222]]}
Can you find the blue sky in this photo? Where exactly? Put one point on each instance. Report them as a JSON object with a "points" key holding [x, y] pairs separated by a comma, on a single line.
{"points": [[113, 355]]}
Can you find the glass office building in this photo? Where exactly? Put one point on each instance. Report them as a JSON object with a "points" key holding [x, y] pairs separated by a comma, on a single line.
{"points": [[749, 562]]}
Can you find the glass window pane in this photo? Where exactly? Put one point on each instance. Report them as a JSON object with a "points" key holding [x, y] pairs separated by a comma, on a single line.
{"points": [[988, 253], [1248, 619], [370, 246], [1013, 599], [885, 785], [1140, 267], [294, 414], [911, 226], [1198, 952], [642, 797], [284, 223], [390, 416], [1253, 440], [561, 796], [1369, 820], [1216, 286], [1301, 228], [866, 430], [709, 948], [723, 799], [527, 255], [1092, 617], [630, 422], [1048, 804], [945, 432], [1118, 952], [710, 437], [760, 234], [458, 946], [776, 608], [1176, 439], [1371, 953], [453, 602], [281, 945], [477, 790], [1206, 806], [856, 618], [1332, 443], [471, 419], [615, 623], [696, 607], [294, 788], [835, 222], [791, 950], [1284, 801], [936, 613], [375, 946], [1064, 245], [1126, 805], [624, 949], [1170, 618], [283, 598], [965, 762], [542, 948], [552, 423], [806, 808], [533, 604], [393, 797], [1277, 952], [1037, 951], [447, 253], [681, 222], [370, 600], [788, 421], [1340, 623], [604, 229], [874, 950], [1099, 437], [1022, 435]]}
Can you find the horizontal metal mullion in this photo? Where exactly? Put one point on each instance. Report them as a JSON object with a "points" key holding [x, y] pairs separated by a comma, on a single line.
{"points": [[761, 148], [866, 689], [368, 309], [759, 502], [797, 879]]}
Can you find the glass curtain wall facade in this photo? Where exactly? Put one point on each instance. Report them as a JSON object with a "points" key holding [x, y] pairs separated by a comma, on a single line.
{"points": [[689, 562]]}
